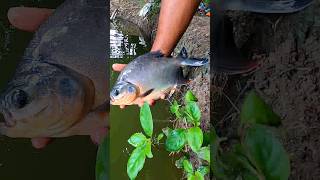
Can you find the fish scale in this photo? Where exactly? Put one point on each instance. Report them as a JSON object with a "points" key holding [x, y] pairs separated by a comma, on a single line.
{"points": [[61, 83], [150, 76]]}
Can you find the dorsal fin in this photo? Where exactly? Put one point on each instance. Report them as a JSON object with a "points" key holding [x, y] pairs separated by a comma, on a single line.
{"points": [[155, 54], [183, 53]]}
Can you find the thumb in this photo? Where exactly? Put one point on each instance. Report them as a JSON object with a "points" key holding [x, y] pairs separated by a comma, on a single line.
{"points": [[28, 19], [118, 67]]}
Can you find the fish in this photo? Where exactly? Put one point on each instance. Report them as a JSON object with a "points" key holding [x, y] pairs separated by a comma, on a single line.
{"points": [[60, 86], [151, 75]]}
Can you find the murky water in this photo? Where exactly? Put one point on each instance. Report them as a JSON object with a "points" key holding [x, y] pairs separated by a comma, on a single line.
{"points": [[74, 157], [125, 122], [64, 159]]}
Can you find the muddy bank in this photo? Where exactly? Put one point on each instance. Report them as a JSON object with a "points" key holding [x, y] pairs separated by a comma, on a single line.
{"points": [[196, 40], [288, 49]]}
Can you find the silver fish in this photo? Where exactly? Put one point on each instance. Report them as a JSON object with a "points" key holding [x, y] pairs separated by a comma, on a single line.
{"points": [[151, 75], [62, 78]]}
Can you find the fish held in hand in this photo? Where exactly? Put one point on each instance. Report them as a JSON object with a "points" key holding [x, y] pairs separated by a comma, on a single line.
{"points": [[150, 76]]}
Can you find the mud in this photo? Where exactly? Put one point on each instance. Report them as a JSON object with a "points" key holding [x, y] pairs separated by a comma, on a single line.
{"points": [[288, 49]]}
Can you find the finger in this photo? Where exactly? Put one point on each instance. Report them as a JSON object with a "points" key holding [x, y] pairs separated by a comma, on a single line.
{"points": [[28, 19], [140, 103], [118, 67], [151, 102], [162, 96], [98, 136], [40, 143], [122, 106]]}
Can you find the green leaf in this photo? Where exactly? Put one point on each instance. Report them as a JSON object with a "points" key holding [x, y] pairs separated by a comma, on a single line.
{"points": [[176, 140], [203, 170], [166, 131], [102, 160], [196, 176], [266, 153], [218, 168], [255, 110], [146, 119], [247, 175], [175, 109], [187, 166], [179, 162], [137, 139], [204, 153], [206, 139], [136, 162], [193, 112], [195, 138], [190, 97], [160, 136], [148, 149]]}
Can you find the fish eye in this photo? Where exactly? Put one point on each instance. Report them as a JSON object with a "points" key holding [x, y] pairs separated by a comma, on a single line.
{"points": [[116, 92], [20, 99]]}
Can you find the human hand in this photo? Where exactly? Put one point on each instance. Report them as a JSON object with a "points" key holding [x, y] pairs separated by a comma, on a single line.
{"points": [[29, 19], [139, 101]]}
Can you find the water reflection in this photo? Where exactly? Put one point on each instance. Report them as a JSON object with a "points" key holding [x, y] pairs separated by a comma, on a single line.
{"points": [[121, 45], [126, 43]]}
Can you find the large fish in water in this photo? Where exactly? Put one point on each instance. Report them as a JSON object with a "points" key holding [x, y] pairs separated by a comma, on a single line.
{"points": [[60, 86], [151, 75]]}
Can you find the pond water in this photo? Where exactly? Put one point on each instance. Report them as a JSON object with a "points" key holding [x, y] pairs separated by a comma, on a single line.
{"points": [[125, 122], [65, 158], [74, 157]]}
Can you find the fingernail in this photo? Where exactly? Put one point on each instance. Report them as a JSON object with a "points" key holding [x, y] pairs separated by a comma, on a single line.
{"points": [[40, 143]]}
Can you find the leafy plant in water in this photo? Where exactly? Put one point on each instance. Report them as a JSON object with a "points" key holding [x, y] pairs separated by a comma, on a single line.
{"points": [[141, 143], [257, 155], [102, 160], [184, 139]]}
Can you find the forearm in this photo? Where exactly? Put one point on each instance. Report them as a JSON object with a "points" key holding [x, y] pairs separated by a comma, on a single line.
{"points": [[175, 17]]}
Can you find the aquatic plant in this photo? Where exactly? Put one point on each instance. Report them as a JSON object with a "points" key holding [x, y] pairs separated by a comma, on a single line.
{"points": [[183, 139], [102, 160], [255, 154]]}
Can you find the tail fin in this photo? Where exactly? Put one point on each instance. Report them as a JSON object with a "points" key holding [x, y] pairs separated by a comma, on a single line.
{"points": [[266, 6], [194, 62]]}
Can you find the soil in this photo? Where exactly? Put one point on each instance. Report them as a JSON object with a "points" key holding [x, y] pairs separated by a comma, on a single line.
{"points": [[288, 49]]}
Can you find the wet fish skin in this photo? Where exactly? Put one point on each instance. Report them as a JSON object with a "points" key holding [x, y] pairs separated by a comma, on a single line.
{"points": [[151, 75], [61, 80]]}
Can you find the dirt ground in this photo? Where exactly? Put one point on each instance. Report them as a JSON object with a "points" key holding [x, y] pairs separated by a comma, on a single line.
{"points": [[288, 49]]}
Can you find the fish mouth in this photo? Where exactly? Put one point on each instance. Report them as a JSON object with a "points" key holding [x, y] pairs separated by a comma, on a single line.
{"points": [[112, 100]]}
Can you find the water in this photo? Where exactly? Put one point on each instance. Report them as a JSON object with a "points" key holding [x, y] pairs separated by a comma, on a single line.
{"points": [[64, 159], [125, 122], [74, 157]]}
